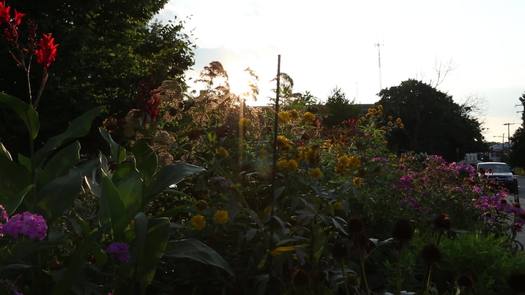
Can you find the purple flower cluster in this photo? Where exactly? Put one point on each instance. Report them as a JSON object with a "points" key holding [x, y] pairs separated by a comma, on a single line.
{"points": [[465, 170], [26, 224], [405, 181], [119, 251]]}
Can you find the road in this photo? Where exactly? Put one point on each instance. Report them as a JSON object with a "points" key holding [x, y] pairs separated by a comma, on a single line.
{"points": [[521, 194]]}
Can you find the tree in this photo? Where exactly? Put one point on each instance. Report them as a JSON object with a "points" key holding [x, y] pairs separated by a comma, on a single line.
{"points": [[338, 108], [517, 153], [433, 122], [110, 54]]}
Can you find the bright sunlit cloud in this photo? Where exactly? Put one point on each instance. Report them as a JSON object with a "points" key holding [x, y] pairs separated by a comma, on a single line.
{"points": [[330, 43]]}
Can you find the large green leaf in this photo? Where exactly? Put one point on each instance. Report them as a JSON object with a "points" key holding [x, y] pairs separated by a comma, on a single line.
{"points": [[146, 160], [197, 251], [58, 195], [118, 153], [112, 207], [130, 190], [77, 128], [24, 111], [153, 246], [170, 175], [13, 202], [61, 162], [73, 272], [14, 183]]}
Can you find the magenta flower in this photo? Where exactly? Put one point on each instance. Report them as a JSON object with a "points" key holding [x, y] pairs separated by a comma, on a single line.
{"points": [[119, 251], [405, 182], [32, 226]]}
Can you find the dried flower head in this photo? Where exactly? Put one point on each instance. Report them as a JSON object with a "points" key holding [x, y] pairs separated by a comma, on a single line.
{"points": [[442, 222], [201, 205], [403, 230]]}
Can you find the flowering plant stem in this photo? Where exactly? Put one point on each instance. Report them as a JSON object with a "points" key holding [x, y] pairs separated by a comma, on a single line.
{"points": [[345, 277], [31, 140], [363, 275], [429, 274]]}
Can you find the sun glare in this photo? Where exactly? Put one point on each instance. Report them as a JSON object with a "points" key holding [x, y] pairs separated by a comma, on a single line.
{"points": [[240, 80]]}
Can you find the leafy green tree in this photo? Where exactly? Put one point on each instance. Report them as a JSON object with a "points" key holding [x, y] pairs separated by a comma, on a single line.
{"points": [[338, 108], [433, 122], [517, 154], [110, 54]]}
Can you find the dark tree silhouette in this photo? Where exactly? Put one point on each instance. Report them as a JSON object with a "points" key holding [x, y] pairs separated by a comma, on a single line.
{"points": [[517, 154], [434, 123]]}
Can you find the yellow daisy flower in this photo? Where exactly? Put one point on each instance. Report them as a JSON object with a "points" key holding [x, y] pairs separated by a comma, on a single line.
{"points": [[199, 222]]}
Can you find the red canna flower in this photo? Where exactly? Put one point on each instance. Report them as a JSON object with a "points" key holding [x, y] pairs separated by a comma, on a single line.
{"points": [[5, 15], [46, 52], [18, 17], [152, 105]]}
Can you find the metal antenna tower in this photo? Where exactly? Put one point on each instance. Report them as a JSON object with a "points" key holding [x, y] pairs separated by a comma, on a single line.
{"points": [[378, 45]]}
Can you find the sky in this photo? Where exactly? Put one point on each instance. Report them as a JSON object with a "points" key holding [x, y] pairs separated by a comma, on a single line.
{"points": [[480, 44]]}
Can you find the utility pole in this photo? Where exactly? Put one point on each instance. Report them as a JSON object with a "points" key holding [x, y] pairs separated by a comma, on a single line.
{"points": [[378, 45], [508, 130]]}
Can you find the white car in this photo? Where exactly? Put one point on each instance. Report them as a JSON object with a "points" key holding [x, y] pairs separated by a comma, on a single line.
{"points": [[499, 172]]}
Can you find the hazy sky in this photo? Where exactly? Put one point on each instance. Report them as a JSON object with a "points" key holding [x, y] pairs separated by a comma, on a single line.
{"points": [[331, 43]]}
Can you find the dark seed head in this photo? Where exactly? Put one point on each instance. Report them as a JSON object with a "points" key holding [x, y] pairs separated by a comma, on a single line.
{"points": [[300, 277], [465, 281], [201, 205], [442, 222], [431, 254], [355, 226], [339, 250], [403, 230]]}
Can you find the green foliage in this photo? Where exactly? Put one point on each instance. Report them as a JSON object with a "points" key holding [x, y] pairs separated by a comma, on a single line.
{"points": [[485, 259], [24, 111], [338, 108], [434, 123], [110, 54], [197, 251]]}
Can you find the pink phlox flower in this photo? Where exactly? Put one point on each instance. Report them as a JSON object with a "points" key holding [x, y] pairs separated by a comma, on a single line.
{"points": [[32, 226]]}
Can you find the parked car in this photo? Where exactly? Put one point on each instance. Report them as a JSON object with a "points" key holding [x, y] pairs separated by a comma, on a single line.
{"points": [[499, 172]]}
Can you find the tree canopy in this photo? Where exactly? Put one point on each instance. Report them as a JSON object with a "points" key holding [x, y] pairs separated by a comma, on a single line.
{"points": [[517, 154], [433, 122], [338, 108], [110, 53]]}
